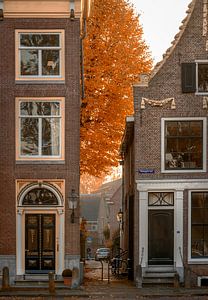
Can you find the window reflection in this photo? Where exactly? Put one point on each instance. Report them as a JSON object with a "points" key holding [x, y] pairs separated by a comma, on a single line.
{"points": [[40, 54], [40, 128], [183, 145]]}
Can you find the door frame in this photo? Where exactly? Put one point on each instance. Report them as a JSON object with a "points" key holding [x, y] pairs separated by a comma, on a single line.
{"points": [[160, 210], [58, 211], [141, 211]]}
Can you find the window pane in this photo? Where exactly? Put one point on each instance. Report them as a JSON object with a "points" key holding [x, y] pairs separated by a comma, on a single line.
{"points": [[197, 248], [197, 241], [197, 233], [172, 145], [29, 62], [205, 216], [206, 233], [171, 128], [183, 128], [205, 199], [197, 215], [195, 160], [50, 62], [196, 128], [202, 77], [183, 144], [29, 136], [40, 108], [39, 40], [161, 199], [50, 136], [197, 199], [40, 196]]}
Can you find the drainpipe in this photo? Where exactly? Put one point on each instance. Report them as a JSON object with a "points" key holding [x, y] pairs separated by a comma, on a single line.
{"points": [[83, 35]]}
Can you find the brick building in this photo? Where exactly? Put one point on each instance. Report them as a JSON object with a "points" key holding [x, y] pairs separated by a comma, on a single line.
{"points": [[165, 159], [39, 139]]}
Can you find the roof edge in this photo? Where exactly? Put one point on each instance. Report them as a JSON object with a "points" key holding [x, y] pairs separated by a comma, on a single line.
{"points": [[176, 40]]}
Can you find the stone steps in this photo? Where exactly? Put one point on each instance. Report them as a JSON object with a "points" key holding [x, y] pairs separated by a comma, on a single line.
{"points": [[159, 276], [38, 281]]}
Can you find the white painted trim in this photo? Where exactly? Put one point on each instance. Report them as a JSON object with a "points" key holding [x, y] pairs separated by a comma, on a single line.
{"points": [[33, 185], [171, 184], [199, 278], [143, 227], [40, 77], [61, 117], [204, 169], [178, 228], [20, 230], [178, 225]]}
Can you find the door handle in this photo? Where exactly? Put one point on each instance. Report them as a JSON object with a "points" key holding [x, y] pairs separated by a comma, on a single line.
{"points": [[26, 250]]}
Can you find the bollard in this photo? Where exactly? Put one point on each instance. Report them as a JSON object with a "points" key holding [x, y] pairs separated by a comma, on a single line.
{"points": [[138, 276], [75, 277], [5, 279], [51, 283], [81, 279], [176, 282], [187, 278]]}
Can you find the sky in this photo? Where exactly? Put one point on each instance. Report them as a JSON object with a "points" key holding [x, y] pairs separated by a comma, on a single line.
{"points": [[160, 20]]}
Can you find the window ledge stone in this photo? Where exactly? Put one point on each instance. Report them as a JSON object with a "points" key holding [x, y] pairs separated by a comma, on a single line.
{"points": [[40, 162]]}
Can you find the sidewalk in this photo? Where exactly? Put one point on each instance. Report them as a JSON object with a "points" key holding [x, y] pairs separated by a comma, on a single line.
{"points": [[96, 289]]}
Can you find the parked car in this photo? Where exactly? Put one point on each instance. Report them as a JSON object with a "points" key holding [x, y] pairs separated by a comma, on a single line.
{"points": [[102, 253]]}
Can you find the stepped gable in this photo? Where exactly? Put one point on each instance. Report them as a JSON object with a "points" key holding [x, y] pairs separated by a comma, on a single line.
{"points": [[176, 39]]}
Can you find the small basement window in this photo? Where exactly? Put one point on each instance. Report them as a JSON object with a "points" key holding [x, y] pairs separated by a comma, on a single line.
{"points": [[203, 281]]}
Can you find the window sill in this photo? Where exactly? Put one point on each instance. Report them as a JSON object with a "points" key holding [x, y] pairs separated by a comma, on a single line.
{"points": [[40, 162], [201, 93], [48, 81], [184, 171], [201, 261]]}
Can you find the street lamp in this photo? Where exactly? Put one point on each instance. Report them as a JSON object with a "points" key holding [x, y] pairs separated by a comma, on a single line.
{"points": [[120, 216], [72, 202]]}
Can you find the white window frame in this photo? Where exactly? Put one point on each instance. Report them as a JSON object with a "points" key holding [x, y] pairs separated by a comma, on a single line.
{"points": [[61, 48], [190, 259], [39, 157], [204, 120]]}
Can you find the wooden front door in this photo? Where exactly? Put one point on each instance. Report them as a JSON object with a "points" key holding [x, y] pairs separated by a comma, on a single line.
{"points": [[160, 237], [39, 243]]}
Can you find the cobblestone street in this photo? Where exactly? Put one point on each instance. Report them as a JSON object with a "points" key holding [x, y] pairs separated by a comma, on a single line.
{"points": [[95, 288]]}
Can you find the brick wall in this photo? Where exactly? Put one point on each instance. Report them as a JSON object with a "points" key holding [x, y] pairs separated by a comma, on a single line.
{"points": [[166, 84], [9, 169]]}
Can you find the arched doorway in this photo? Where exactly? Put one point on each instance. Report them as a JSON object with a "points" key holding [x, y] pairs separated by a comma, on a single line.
{"points": [[40, 229]]}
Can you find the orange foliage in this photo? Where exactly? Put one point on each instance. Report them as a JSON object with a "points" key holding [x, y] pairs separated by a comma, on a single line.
{"points": [[114, 55]]}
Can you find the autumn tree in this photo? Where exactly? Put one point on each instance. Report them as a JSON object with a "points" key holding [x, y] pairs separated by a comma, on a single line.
{"points": [[114, 55]]}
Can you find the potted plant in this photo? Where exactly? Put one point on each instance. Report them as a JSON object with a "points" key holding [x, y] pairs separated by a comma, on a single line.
{"points": [[67, 275]]}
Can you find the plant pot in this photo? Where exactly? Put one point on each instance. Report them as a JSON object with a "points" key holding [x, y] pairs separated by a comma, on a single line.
{"points": [[67, 281]]}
